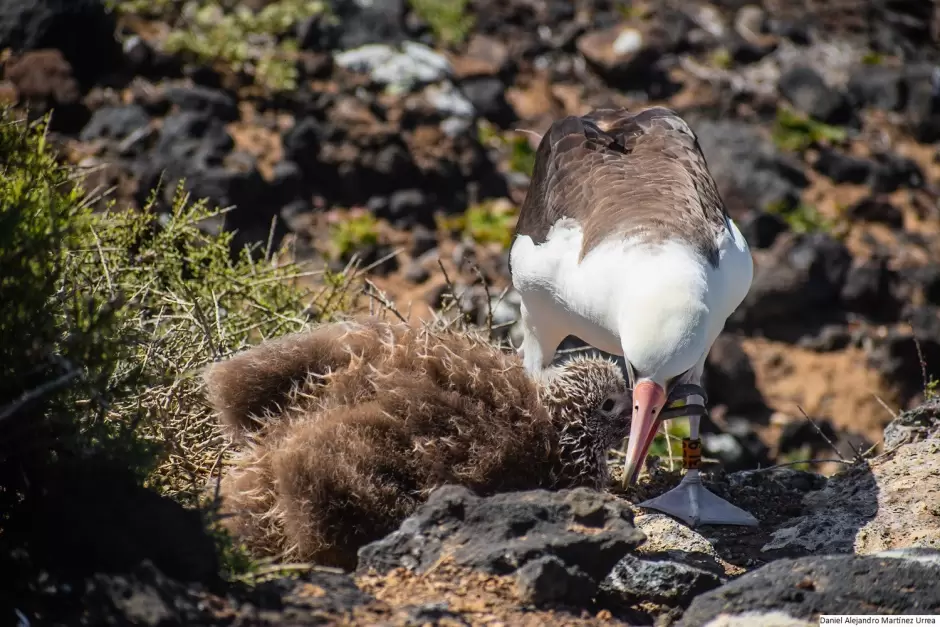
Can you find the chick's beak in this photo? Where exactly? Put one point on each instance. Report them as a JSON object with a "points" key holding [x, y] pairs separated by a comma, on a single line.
{"points": [[648, 400]]}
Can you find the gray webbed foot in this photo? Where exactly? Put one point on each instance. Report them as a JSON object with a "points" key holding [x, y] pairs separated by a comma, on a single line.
{"points": [[692, 503]]}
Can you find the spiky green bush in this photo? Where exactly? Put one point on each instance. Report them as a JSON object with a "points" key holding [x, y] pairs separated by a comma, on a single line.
{"points": [[108, 319], [62, 354]]}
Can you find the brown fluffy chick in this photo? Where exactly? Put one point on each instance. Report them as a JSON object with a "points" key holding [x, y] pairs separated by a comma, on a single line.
{"points": [[347, 428]]}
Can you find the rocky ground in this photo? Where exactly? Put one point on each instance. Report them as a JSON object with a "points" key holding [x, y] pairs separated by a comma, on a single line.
{"points": [[403, 133], [866, 540]]}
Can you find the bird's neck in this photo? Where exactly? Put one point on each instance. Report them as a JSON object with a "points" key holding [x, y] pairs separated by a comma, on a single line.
{"points": [[583, 458], [663, 320]]}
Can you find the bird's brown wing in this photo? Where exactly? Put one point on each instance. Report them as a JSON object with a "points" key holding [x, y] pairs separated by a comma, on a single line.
{"points": [[624, 174]]}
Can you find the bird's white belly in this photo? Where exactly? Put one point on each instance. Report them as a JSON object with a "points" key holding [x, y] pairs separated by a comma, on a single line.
{"points": [[564, 296]]}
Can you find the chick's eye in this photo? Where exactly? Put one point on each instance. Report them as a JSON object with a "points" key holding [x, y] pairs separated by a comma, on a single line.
{"points": [[608, 404]]}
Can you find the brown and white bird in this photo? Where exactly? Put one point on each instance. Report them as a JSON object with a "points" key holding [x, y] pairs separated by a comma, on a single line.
{"points": [[623, 241], [346, 428]]}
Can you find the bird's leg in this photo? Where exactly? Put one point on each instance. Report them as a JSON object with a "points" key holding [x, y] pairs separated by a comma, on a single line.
{"points": [[690, 501]]}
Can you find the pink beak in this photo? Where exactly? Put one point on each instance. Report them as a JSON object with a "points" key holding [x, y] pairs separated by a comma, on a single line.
{"points": [[648, 401]]}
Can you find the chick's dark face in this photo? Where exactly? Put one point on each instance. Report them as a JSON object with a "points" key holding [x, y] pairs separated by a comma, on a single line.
{"points": [[610, 420]]}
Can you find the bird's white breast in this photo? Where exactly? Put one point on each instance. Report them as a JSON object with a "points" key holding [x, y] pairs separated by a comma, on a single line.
{"points": [[666, 295]]}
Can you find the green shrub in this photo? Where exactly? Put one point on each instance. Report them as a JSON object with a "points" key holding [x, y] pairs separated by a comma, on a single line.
{"points": [[108, 319], [64, 351]]}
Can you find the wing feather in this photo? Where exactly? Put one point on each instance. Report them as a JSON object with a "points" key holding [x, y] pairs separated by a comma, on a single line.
{"points": [[621, 173]]}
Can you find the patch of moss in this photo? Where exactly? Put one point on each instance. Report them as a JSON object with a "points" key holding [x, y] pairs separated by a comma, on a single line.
{"points": [[491, 222], [516, 147], [721, 59], [795, 132], [931, 389], [873, 58], [488, 134], [796, 457], [629, 10], [521, 155], [802, 218], [353, 233], [257, 43], [449, 20], [677, 430]]}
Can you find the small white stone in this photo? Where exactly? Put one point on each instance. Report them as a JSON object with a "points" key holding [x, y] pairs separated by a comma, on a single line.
{"points": [[628, 41]]}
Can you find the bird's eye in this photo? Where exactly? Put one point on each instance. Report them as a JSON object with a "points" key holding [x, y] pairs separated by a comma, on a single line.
{"points": [[608, 404]]}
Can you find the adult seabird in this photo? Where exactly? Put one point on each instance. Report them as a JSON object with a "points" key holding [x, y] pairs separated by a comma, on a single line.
{"points": [[624, 242]]}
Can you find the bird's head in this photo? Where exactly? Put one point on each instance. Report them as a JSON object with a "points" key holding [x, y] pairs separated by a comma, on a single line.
{"points": [[589, 395]]}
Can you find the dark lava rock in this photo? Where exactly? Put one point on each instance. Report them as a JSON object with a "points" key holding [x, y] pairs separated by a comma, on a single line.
{"points": [[149, 598], [869, 289], [626, 57], [247, 193], [761, 228], [773, 496], [45, 82], [749, 170], [434, 614], [416, 273], [95, 518], [115, 123], [927, 278], [671, 578], [730, 379], [365, 22], [548, 580], [842, 168], [405, 208], [878, 86], [800, 283], [914, 425], [287, 183], [82, 30], [894, 172], [142, 59], [876, 209], [798, 433], [806, 587], [423, 239], [213, 102], [906, 362], [737, 446], [196, 147], [584, 530], [191, 140], [907, 28], [808, 92], [302, 143], [923, 106], [487, 94], [831, 337]]}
